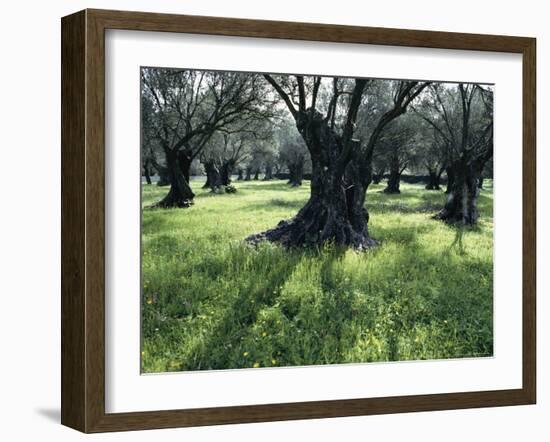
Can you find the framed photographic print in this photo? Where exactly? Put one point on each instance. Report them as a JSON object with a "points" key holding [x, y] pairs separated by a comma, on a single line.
{"points": [[267, 221]]}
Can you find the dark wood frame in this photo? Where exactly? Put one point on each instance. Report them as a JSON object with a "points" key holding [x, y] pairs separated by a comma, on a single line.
{"points": [[83, 216]]}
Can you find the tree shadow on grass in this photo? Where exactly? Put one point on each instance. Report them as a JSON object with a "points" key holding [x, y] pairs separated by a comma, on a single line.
{"points": [[280, 186], [240, 308], [238, 325], [401, 207], [275, 204], [402, 234]]}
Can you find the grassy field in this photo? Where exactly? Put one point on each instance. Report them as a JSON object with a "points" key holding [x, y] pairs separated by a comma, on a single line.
{"points": [[212, 302]]}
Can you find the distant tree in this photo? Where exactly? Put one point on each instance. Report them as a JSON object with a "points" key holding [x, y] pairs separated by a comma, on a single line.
{"points": [[398, 149], [462, 115], [379, 167], [293, 152], [432, 155], [187, 108]]}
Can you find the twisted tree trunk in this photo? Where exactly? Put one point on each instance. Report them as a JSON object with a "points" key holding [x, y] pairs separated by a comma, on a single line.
{"points": [[147, 173], [450, 178], [296, 172], [335, 212], [434, 180], [378, 176], [394, 179], [184, 160], [268, 172], [461, 204], [226, 171], [213, 177], [180, 193]]}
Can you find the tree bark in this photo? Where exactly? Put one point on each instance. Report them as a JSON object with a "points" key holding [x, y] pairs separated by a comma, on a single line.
{"points": [[268, 172], [248, 174], [226, 172], [378, 176], [213, 176], [461, 204], [480, 183], [257, 174], [180, 193], [335, 212], [450, 178], [147, 172], [240, 172], [434, 180], [184, 160], [296, 171], [162, 171], [394, 179]]}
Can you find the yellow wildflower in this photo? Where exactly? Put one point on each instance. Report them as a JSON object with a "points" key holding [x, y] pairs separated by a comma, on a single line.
{"points": [[245, 354], [256, 365], [274, 361]]}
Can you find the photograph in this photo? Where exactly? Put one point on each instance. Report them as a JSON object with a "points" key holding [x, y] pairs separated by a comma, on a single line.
{"points": [[292, 220]]}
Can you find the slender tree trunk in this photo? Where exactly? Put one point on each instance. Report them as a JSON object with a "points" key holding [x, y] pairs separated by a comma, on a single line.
{"points": [[257, 174], [180, 194], [480, 183], [461, 204], [395, 176], [248, 173], [240, 172], [335, 212]]}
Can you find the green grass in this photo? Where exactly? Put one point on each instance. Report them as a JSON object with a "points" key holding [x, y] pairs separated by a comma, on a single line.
{"points": [[212, 302]]}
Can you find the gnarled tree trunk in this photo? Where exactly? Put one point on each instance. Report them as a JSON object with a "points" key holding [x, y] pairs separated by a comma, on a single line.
{"points": [[213, 177], [394, 179], [184, 160], [433, 182], [226, 171], [296, 172], [335, 212], [450, 178], [147, 172], [378, 176], [434, 179], [268, 172], [461, 204], [180, 193]]}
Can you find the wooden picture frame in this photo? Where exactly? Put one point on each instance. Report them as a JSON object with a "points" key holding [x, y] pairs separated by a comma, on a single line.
{"points": [[83, 218]]}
